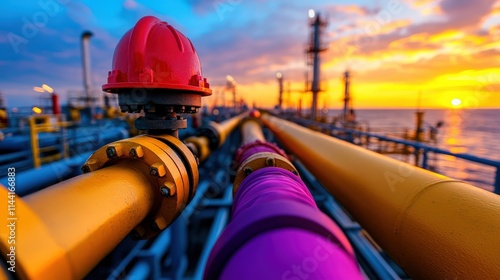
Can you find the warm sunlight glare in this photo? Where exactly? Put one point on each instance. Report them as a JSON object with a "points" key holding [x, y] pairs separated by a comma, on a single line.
{"points": [[456, 102]]}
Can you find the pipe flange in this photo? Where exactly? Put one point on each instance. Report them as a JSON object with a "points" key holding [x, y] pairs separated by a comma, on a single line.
{"points": [[258, 161], [188, 158], [241, 151], [172, 170], [212, 132], [143, 123], [202, 150]]}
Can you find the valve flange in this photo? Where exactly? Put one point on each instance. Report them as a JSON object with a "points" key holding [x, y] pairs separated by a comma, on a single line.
{"points": [[170, 166]]}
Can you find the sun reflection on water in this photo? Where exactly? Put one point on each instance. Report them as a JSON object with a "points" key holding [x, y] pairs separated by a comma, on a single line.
{"points": [[456, 137]]}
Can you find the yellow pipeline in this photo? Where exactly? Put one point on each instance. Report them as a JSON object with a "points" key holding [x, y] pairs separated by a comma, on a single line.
{"points": [[219, 131], [224, 128], [251, 131], [63, 231], [201, 146], [434, 227], [137, 185]]}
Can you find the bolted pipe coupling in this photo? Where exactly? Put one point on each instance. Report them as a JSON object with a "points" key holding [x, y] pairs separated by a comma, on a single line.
{"points": [[213, 132], [256, 155], [172, 170]]}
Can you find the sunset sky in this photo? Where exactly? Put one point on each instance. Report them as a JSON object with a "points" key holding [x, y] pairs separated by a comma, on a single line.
{"points": [[442, 49]]}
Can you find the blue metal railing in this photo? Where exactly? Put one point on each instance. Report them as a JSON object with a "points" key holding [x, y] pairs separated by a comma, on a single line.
{"points": [[418, 147]]}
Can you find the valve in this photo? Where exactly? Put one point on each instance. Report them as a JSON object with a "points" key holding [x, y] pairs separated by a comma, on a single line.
{"points": [[172, 169], [156, 70]]}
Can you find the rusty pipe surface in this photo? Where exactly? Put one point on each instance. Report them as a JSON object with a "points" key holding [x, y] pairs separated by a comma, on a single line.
{"points": [[432, 226], [63, 231]]}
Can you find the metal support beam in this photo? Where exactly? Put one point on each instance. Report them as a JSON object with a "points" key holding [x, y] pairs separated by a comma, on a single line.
{"points": [[431, 225]]}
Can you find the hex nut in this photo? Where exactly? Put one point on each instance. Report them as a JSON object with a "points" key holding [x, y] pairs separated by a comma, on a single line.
{"points": [[90, 165], [168, 189], [114, 151], [136, 152], [138, 233], [159, 224], [270, 162], [85, 169], [247, 170], [165, 191], [157, 170]]}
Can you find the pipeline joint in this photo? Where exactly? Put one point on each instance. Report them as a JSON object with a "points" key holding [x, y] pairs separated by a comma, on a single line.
{"points": [[212, 132], [172, 170], [255, 146], [258, 161]]}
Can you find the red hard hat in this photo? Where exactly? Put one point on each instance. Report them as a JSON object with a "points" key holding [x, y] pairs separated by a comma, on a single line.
{"points": [[154, 55]]}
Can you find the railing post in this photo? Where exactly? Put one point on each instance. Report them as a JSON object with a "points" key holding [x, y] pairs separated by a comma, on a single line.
{"points": [[425, 157], [496, 186], [35, 148], [416, 152]]}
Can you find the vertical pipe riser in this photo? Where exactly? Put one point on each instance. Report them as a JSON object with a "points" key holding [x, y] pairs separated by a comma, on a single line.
{"points": [[87, 84], [86, 67], [316, 68]]}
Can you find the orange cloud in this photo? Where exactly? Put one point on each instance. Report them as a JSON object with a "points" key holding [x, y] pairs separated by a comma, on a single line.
{"points": [[426, 7], [446, 65], [434, 10], [351, 9], [394, 25], [446, 36], [421, 3], [451, 57]]}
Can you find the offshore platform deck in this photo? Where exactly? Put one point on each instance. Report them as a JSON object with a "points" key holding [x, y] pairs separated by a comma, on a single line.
{"points": [[246, 194]]}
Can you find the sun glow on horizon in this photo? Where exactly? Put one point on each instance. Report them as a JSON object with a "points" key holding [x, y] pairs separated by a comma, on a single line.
{"points": [[455, 102]]}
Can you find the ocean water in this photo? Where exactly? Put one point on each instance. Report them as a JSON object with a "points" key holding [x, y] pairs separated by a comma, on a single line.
{"points": [[475, 132]]}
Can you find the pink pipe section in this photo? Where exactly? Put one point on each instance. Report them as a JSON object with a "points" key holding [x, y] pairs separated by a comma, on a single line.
{"points": [[277, 232]]}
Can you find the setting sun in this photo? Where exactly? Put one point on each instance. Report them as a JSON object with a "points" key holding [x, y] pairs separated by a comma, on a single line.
{"points": [[456, 102]]}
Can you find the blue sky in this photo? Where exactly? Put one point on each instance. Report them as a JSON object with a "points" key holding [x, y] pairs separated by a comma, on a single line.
{"points": [[251, 40]]}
